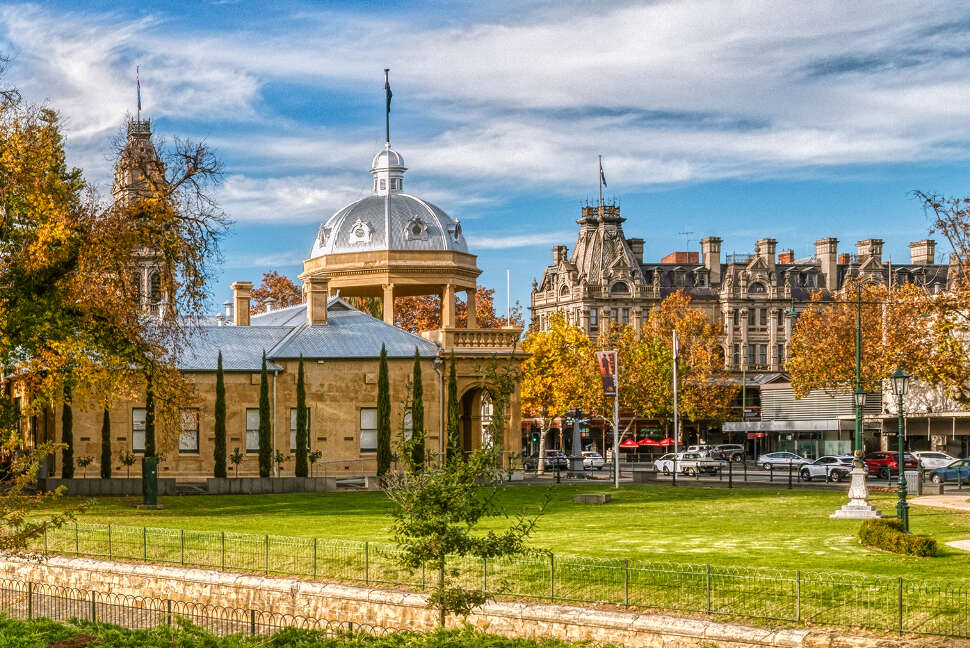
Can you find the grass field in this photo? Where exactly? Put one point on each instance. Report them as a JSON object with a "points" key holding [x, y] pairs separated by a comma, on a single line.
{"points": [[741, 527]]}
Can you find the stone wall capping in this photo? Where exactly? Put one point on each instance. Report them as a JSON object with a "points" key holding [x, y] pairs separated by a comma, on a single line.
{"points": [[406, 610]]}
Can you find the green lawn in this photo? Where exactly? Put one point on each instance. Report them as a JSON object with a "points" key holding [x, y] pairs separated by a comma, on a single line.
{"points": [[741, 527]]}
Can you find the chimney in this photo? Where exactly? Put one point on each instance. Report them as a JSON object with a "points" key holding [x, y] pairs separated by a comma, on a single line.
{"points": [[922, 252], [228, 305], [269, 304], [869, 249], [826, 250], [765, 248], [786, 256], [636, 246], [316, 290], [680, 257], [241, 291], [711, 251], [559, 253], [845, 258]]}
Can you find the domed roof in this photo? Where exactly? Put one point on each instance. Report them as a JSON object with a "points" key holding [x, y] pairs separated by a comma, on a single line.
{"points": [[389, 220]]}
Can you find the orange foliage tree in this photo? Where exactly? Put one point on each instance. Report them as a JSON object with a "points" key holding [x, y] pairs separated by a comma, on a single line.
{"points": [[277, 287], [423, 313]]}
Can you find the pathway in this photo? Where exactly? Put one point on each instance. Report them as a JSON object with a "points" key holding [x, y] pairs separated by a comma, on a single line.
{"points": [[953, 501]]}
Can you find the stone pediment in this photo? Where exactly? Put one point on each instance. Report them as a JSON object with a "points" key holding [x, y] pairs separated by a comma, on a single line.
{"points": [[757, 263], [872, 264]]}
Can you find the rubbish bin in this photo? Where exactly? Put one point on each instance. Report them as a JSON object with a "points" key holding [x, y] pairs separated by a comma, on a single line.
{"points": [[914, 482], [149, 480]]}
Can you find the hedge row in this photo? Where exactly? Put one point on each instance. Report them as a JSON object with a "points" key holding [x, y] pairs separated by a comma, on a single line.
{"points": [[888, 534], [42, 633]]}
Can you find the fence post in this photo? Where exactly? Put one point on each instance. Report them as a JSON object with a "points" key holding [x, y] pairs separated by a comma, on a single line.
{"points": [[730, 473], [144, 543], [223, 551], [552, 576], [109, 542], [771, 472], [168, 608], [626, 582], [744, 464], [789, 475], [707, 579], [798, 596], [266, 558], [367, 563], [314, 557], [45, 538], [94, 611], [77, 542], [30, 599], [900, 593], [182, 546], [252, 622]]}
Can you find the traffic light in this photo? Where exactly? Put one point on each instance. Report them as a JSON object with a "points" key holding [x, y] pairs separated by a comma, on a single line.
{"points": [[534, 434]]}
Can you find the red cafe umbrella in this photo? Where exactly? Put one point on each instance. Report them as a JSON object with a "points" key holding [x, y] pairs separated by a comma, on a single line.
{"points": [[628, 444], [649, 442], [666, 442]]}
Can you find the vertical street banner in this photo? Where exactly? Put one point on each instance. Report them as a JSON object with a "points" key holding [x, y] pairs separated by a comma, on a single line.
{"points": [[607, 363]]}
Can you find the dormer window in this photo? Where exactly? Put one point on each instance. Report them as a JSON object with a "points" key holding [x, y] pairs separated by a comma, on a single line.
{"points": [[756, 288], [700, 278], [619, 288]]}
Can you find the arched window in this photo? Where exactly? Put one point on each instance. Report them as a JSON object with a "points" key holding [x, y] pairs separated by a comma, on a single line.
{"points": [[756, 288], [619, 288], [487, 412], [564, 291]]}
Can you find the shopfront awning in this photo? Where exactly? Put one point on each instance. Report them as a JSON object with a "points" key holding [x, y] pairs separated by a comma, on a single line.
{"points": [[825, 425]]}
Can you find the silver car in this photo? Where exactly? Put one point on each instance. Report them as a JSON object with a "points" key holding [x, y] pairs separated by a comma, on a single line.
{"points": [[930, 460], [829, 467], [592, 460], [781, 459]]}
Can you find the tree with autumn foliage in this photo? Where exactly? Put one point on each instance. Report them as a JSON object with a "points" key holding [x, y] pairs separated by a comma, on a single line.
{"points": [[276, 289], [423, 313], [559, 374]]}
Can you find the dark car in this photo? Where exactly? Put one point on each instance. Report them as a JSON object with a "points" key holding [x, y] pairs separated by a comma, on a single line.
{"points": [[884, 464], [553, 459], [957, 470], [727, 452]]}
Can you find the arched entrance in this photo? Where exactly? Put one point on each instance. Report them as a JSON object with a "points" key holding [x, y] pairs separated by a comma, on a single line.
{"points": [[476, 414]]}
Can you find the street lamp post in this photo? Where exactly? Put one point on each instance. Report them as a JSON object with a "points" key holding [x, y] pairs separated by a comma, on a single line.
{"points": [[900, 381]]}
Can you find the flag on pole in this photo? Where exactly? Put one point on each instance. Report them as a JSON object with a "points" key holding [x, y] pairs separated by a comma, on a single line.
{"points": [[387, 89], [138, 84], [602, 175]]}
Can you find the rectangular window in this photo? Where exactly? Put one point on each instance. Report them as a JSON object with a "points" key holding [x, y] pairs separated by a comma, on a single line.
{"points": [[383, 184], [752, 348], [408, 425], [368, 429], [252, 430], [751, 314], [138, 429], [189, 438], [594, 317], [781, 354], [625, 316], [736, 317], [737, 354], [762, 354], [763, 316], [613, 314], [293, 429]]}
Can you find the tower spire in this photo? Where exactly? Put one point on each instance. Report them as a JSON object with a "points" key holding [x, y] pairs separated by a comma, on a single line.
{"points": [[387, 110], [138, 89]]}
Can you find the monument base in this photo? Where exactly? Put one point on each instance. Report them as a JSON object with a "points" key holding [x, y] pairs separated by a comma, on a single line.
{"points": [[858, 507]]}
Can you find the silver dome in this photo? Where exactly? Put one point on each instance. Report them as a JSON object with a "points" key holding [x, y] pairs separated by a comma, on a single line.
{"points": [[409, 224], [387, 159]]}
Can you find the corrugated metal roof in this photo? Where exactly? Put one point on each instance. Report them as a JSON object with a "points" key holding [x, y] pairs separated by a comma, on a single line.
{"points": [[285, 333]]}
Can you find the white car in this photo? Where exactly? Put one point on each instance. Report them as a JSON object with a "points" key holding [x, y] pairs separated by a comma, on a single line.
{"points": [[702, 450], [829, 467], [688, 463], [781, 460], [930, 460], [592, 460]]}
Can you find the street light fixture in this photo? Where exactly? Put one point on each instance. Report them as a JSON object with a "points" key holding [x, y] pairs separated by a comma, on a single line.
{"points": [[900, 381]]}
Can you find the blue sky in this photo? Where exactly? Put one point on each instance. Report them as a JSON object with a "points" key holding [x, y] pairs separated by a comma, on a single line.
{"points": [[764, 118]]}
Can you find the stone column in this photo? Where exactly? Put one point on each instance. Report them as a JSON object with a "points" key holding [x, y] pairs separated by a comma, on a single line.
{"points": [[773, 362], [743, 321], [729, 337], [470, 302], [448, 306], [389, 303]]}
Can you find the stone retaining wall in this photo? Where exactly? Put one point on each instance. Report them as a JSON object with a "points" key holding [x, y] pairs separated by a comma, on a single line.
{"points": [[261, 485], [97, 487], [406, 610]]}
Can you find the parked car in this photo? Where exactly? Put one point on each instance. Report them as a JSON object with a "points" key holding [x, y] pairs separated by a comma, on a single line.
{"points": [[552, 460], [781, 459], [727, 452], [959, 469], [689, 463], [930, 460], [702, 450], [829, 467], [884, 464], [592, 460]]}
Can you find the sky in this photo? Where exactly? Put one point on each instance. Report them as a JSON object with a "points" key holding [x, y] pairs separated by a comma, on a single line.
{"points": [[744, 120]]}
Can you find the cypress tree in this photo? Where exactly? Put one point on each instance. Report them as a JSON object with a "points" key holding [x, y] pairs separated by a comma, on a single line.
{"points": [[67, 435], [265, 430], [417, 415], [301, 468], [454, 417], [106, 445], [219, 449], [149, 419], [383, 417]]}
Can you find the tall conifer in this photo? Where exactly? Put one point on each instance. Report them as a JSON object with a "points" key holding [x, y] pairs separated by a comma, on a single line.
{"points": [[301, 468], [67, 435], [106, 444], [417, 414], [383, 416], [454, 416], [265, 428], [219, 448], [149, 419]]}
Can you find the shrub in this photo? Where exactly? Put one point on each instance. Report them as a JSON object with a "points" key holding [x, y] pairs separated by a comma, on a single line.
{"points": [[888, 535]]}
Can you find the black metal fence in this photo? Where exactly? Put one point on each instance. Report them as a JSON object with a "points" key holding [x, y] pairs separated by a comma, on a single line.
{"points": [[788, 596], [28, 600]]}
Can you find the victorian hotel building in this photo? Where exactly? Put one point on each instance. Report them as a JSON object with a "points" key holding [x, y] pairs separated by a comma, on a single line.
{"points": [[386, 244], [606, 279]]}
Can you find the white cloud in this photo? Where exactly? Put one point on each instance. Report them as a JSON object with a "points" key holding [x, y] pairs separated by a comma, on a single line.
{"points": [[486, 242]]}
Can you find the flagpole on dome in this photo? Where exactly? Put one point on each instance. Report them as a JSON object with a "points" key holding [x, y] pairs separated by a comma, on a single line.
{"points": [[138, 90], [387, 109], [387, 154]]}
